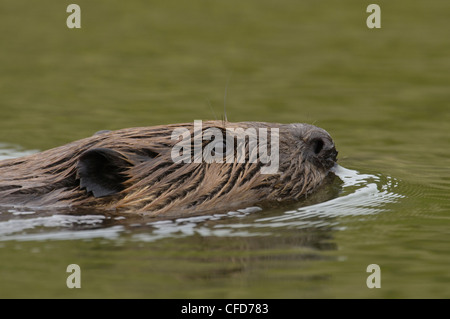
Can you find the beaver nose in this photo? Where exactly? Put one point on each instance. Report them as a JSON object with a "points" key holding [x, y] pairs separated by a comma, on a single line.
{"points": [[322, 148]]}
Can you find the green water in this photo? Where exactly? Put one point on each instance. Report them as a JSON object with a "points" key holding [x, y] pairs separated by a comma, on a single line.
{"points": [[383, 94]]}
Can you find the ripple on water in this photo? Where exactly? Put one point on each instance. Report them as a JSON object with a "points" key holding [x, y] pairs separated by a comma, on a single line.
{"points": [[361, 194], [8, 151]]}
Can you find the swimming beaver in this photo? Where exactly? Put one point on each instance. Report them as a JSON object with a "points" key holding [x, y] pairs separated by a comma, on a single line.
{"points": [[133, 170]]}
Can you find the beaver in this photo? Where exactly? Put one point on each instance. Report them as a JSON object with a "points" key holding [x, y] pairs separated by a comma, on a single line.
{"points": [[133, 170]]}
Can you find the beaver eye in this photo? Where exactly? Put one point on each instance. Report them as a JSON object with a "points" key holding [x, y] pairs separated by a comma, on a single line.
{"points": [[220, 147], [223, 147]]}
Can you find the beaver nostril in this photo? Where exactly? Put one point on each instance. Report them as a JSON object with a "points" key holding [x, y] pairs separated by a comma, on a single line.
{"points": [[322, 149], [317, 145]]}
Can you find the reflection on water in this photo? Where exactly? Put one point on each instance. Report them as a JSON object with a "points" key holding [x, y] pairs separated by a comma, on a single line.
{"points": [[358, 194], [270, 249]]}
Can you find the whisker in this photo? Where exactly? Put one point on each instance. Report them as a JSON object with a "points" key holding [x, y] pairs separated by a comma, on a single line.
{"points": [[225, 98], [211, 108]]}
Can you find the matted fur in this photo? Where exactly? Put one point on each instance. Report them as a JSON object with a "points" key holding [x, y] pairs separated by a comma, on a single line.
{"points": [[153, 184]]}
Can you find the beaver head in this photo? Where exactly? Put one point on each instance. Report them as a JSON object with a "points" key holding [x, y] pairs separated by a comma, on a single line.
{"points": [[174, 169]]}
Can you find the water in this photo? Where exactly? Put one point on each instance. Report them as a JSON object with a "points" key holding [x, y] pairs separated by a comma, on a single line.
{"points": [[361, 195], [382, 94]]}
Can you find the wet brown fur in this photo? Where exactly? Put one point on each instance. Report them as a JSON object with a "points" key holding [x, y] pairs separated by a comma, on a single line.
{"points": [[154, 185]]}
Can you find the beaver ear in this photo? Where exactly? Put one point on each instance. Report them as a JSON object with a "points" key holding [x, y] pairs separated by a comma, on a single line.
{"points": [[101, 171]]}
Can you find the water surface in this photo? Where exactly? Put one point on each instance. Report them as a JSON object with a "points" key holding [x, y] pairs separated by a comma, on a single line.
{"points": [[382, 94]]}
